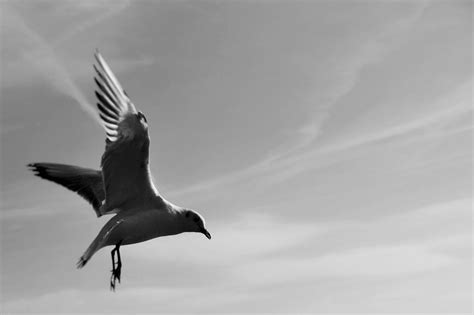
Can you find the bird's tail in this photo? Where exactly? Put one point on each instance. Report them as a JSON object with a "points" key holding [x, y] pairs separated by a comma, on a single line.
{"points": [[90, 251]]}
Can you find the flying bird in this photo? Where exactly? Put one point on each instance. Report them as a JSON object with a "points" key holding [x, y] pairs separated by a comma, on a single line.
{"points": [[123, 186]]}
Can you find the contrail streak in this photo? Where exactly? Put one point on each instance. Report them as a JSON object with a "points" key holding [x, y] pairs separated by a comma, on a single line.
{"points": [[44, 59]]}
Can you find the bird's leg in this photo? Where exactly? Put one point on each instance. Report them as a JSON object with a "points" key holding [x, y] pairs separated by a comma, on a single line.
{"points": [[112, 277], [116, 271], [112, 253]]}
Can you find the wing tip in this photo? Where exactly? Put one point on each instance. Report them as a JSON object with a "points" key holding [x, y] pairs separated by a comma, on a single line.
{"points": [[38, 170], [32, 166], [97, 52]]}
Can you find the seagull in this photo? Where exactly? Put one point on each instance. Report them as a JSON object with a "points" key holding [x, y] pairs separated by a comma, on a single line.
{"points": [[123, 186]]}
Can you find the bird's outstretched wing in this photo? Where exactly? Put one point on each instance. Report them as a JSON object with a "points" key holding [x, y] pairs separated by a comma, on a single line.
{"points": [[125, 168], [84, 181]]}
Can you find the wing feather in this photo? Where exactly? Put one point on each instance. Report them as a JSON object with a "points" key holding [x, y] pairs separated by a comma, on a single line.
{"points": [[125, 162], [104, 90], [107, 112], [108, 120], [85, 182]]}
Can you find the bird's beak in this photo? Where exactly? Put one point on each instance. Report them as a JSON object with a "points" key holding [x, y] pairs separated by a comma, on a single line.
{"points": [[206, 232]]}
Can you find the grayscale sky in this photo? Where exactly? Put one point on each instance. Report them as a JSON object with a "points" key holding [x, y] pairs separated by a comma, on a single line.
{"points": [[327, 144]]}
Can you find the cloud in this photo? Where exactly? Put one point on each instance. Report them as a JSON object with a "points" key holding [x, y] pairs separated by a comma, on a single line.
{"points": [[383, 261], [283, 274], [282, 162], [37, 60], [98, 12], [285, 164], [129, 300], [406, 251], [433, 237], [41, 56], [348, 71], [253, 243], [448, 108], [248, 235]]}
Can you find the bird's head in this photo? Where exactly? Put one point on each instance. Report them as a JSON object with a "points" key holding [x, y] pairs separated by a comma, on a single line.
{"points": [[194, 222], [142, 119]]}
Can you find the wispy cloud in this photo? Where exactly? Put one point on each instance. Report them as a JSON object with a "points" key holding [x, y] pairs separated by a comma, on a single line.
{"points": [[388, 261], [370, 52], [130, 300], [449, 108], [283, 160], [38, 56], [285, 164], [44, 60], [253, 243], [249, 235], [99, 11], [251, 256]]}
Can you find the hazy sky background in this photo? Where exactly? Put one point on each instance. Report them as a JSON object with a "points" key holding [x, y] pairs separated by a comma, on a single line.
{"points": [[327, 144]]}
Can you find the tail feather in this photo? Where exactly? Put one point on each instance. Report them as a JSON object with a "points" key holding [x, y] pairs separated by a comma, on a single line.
{"points": [[90, 251], [105, 237], [81, 263], [84, 181]]}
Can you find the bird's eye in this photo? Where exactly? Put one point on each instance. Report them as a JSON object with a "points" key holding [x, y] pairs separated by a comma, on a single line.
{"points": [[141, 116], [187, 214], [196, 219]]}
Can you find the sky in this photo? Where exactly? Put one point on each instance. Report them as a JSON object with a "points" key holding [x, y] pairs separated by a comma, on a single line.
{"points": [[327, 144]]}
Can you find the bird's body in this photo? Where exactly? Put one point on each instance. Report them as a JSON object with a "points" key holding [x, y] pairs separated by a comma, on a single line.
{"points": [[123, 186], [153, 223], [135, 226]]}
